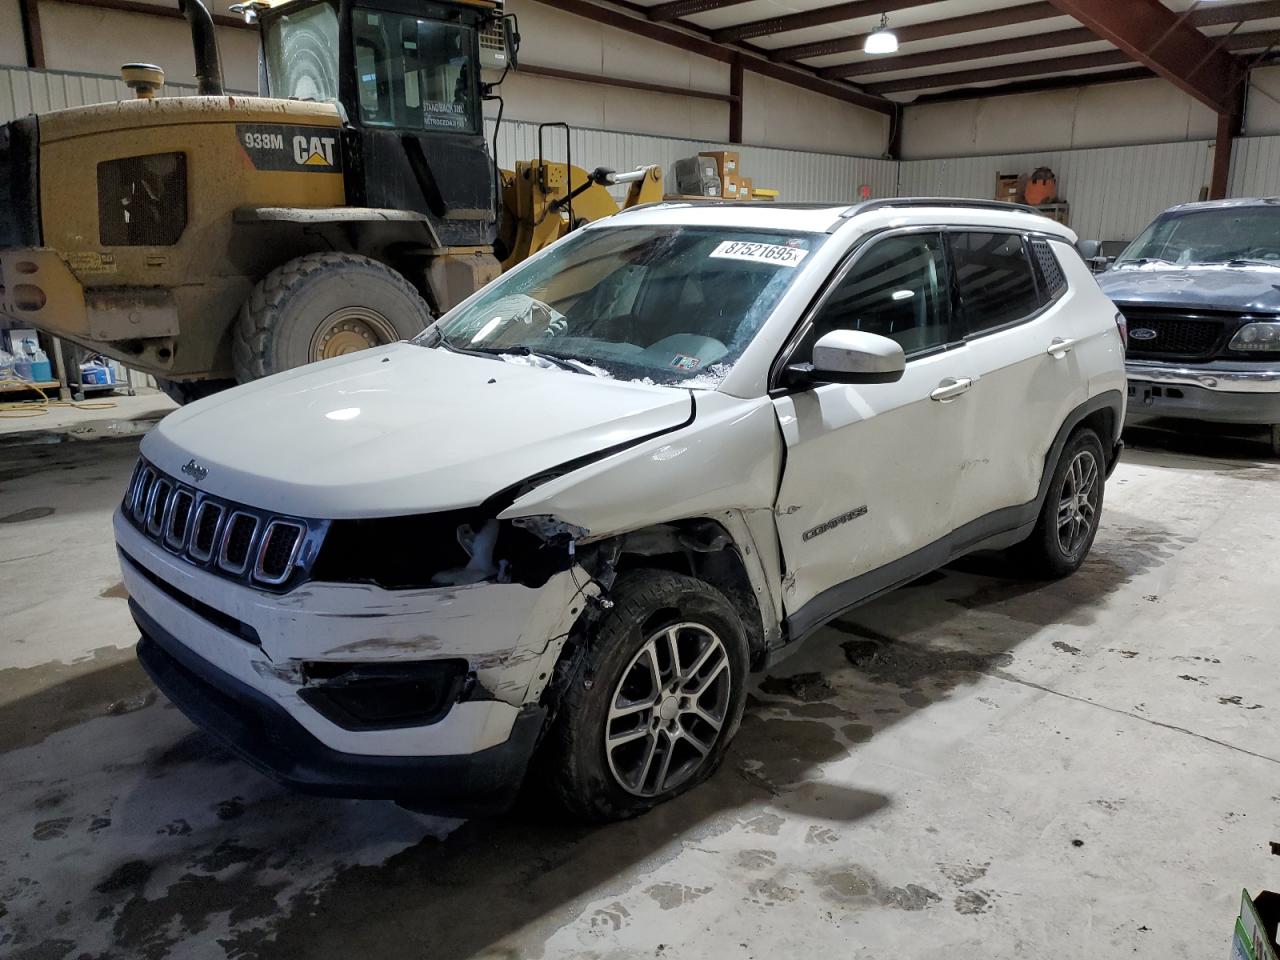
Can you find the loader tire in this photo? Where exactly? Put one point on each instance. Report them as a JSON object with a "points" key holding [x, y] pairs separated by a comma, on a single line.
{"points": [[320, 306]]}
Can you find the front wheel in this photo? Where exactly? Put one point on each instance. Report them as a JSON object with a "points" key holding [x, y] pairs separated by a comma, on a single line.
{"points": [[1068, 520], [659, 695], [321, 306]]}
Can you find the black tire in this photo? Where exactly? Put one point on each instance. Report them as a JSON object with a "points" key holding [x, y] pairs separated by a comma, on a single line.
{"points": [[183, 392], [574, 758], [281, 321], [1045, 553], [1275, 439]]}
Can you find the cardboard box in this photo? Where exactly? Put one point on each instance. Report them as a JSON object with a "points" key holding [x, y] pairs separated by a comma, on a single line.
{"points": [[1009, 187], [745, 186], [727, 162], [730, 187], [1255, 930]]}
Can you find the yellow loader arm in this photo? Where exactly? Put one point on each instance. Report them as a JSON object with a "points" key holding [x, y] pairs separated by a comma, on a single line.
{"points": [[544, 201]]}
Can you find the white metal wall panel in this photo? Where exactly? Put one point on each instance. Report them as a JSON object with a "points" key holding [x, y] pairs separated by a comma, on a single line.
{"points": [[1255, 167], [24, 91], [799, 175], [1114, 191]]}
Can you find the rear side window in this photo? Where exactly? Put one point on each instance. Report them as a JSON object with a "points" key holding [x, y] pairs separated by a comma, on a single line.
{"points": [[993, 273], [1053, 283]]}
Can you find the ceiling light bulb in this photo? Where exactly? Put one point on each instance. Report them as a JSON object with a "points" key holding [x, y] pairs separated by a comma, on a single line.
{"points": [[882, 39]]}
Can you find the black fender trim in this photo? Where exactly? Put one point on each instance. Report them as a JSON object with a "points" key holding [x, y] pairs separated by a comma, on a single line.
{"points": [[996, 530]]}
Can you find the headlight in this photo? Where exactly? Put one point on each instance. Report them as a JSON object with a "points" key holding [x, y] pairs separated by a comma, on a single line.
{"points": [[1257, 338]]}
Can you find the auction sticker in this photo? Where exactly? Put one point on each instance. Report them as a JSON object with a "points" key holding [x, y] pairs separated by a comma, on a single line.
{"points": [[774, 253]]}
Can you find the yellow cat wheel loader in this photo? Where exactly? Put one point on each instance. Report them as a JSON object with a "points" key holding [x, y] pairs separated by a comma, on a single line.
{"points": [[219, 238]]}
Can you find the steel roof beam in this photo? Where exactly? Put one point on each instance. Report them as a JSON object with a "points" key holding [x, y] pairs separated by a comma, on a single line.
{"points": [[813, 18], [1024, 13], [1164, 42], [676, 9]]}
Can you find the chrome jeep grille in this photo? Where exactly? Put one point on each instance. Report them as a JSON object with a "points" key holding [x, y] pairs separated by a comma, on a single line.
{"points": [[230, 539]]}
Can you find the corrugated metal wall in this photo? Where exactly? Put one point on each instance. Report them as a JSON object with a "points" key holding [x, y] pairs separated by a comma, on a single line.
{"points": [[1255, 167], [801, 176], [1114, 191], [25, 91]]}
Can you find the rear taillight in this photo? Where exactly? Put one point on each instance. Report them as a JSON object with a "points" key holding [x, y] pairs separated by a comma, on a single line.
{"points": [[1122, 324]]}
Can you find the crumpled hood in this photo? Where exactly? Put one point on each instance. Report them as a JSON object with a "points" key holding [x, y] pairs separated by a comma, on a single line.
{"points": [[1243, 289], [402, 429]]}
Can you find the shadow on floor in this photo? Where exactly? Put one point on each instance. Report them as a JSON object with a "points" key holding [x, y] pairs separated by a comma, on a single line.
{"points": [[1194, 438]]}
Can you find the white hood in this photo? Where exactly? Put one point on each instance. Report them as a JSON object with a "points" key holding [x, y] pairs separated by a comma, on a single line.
{"points": [[402, 429]]}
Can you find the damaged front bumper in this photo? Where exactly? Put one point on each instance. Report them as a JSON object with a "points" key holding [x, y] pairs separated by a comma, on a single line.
{"points": [[248, 665], [262, 733]]}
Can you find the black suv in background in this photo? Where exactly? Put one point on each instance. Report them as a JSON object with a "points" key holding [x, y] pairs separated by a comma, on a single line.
{"points": [[1200, 289]]}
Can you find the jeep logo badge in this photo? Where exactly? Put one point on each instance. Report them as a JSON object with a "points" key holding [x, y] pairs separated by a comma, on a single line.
{"points": [[194, 470], [1142, 333]]}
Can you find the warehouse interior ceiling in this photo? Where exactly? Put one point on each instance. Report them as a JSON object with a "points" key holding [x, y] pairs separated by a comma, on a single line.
{"points": [[956, 48]]}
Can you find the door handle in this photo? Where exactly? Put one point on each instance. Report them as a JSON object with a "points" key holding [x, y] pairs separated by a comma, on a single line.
{"points": [[1059, 348], [951, 388]]}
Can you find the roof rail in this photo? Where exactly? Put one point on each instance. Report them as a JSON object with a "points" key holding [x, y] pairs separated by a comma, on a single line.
{"points": [[868, 205]]}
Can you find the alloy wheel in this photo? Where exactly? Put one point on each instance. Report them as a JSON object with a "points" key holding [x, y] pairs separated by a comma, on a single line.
{"points": [[1078, 503], [667, 710]]}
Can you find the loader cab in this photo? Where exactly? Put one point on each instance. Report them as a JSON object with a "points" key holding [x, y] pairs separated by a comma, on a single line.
{"points": [[407, 75]]}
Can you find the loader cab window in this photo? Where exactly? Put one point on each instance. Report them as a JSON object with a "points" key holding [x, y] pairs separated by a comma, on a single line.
{"points": [[302, 54], [416, 74]]}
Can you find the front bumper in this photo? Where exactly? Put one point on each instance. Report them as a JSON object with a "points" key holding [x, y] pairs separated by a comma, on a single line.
{"points": [[261, 732], [240, 661], [1222, 392]]}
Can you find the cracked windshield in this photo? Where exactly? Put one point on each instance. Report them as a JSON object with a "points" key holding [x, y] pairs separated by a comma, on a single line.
{"points": [[661, 304]]}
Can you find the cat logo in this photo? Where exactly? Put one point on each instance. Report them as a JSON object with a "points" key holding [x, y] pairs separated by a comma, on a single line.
{"points": [[292, 149], [313, 151]]}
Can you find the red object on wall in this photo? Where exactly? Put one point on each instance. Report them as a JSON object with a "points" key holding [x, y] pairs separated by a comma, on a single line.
{"points": [[1042, 187]]}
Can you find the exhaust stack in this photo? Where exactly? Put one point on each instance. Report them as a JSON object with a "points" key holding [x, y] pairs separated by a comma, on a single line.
{"points": [[205, 46]]}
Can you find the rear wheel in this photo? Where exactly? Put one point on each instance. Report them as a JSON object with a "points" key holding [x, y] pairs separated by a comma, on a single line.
{"points": [[183, 392], [1068, 520], [321, 306], [660, 695]]}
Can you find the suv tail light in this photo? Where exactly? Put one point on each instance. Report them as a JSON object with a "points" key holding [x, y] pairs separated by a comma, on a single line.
{"points": [[1122, 324]]}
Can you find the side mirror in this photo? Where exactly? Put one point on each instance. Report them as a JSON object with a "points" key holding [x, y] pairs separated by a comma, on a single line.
{"points": [[851, 356], [1089, 249]]}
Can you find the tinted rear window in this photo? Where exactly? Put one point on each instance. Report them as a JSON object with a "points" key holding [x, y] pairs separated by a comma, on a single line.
{"points": [[994, 275]]}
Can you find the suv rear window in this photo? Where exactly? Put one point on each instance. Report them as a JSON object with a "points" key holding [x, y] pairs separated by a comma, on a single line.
{"points": [[994, 275]]}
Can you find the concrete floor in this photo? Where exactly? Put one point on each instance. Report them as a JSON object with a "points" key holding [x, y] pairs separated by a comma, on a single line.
{"points": [[971, 767], [101, 415]]}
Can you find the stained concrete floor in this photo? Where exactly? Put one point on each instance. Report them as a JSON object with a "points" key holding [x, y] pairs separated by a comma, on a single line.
{"points": [[971, 767]]}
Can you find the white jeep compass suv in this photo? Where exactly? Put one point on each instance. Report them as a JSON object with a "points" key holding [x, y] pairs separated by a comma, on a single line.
{"points": [[573, 516]]}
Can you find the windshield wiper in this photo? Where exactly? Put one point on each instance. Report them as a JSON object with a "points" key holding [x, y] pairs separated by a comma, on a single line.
{"points": [[571, 363], [1250, 262], [1141, 261]]}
